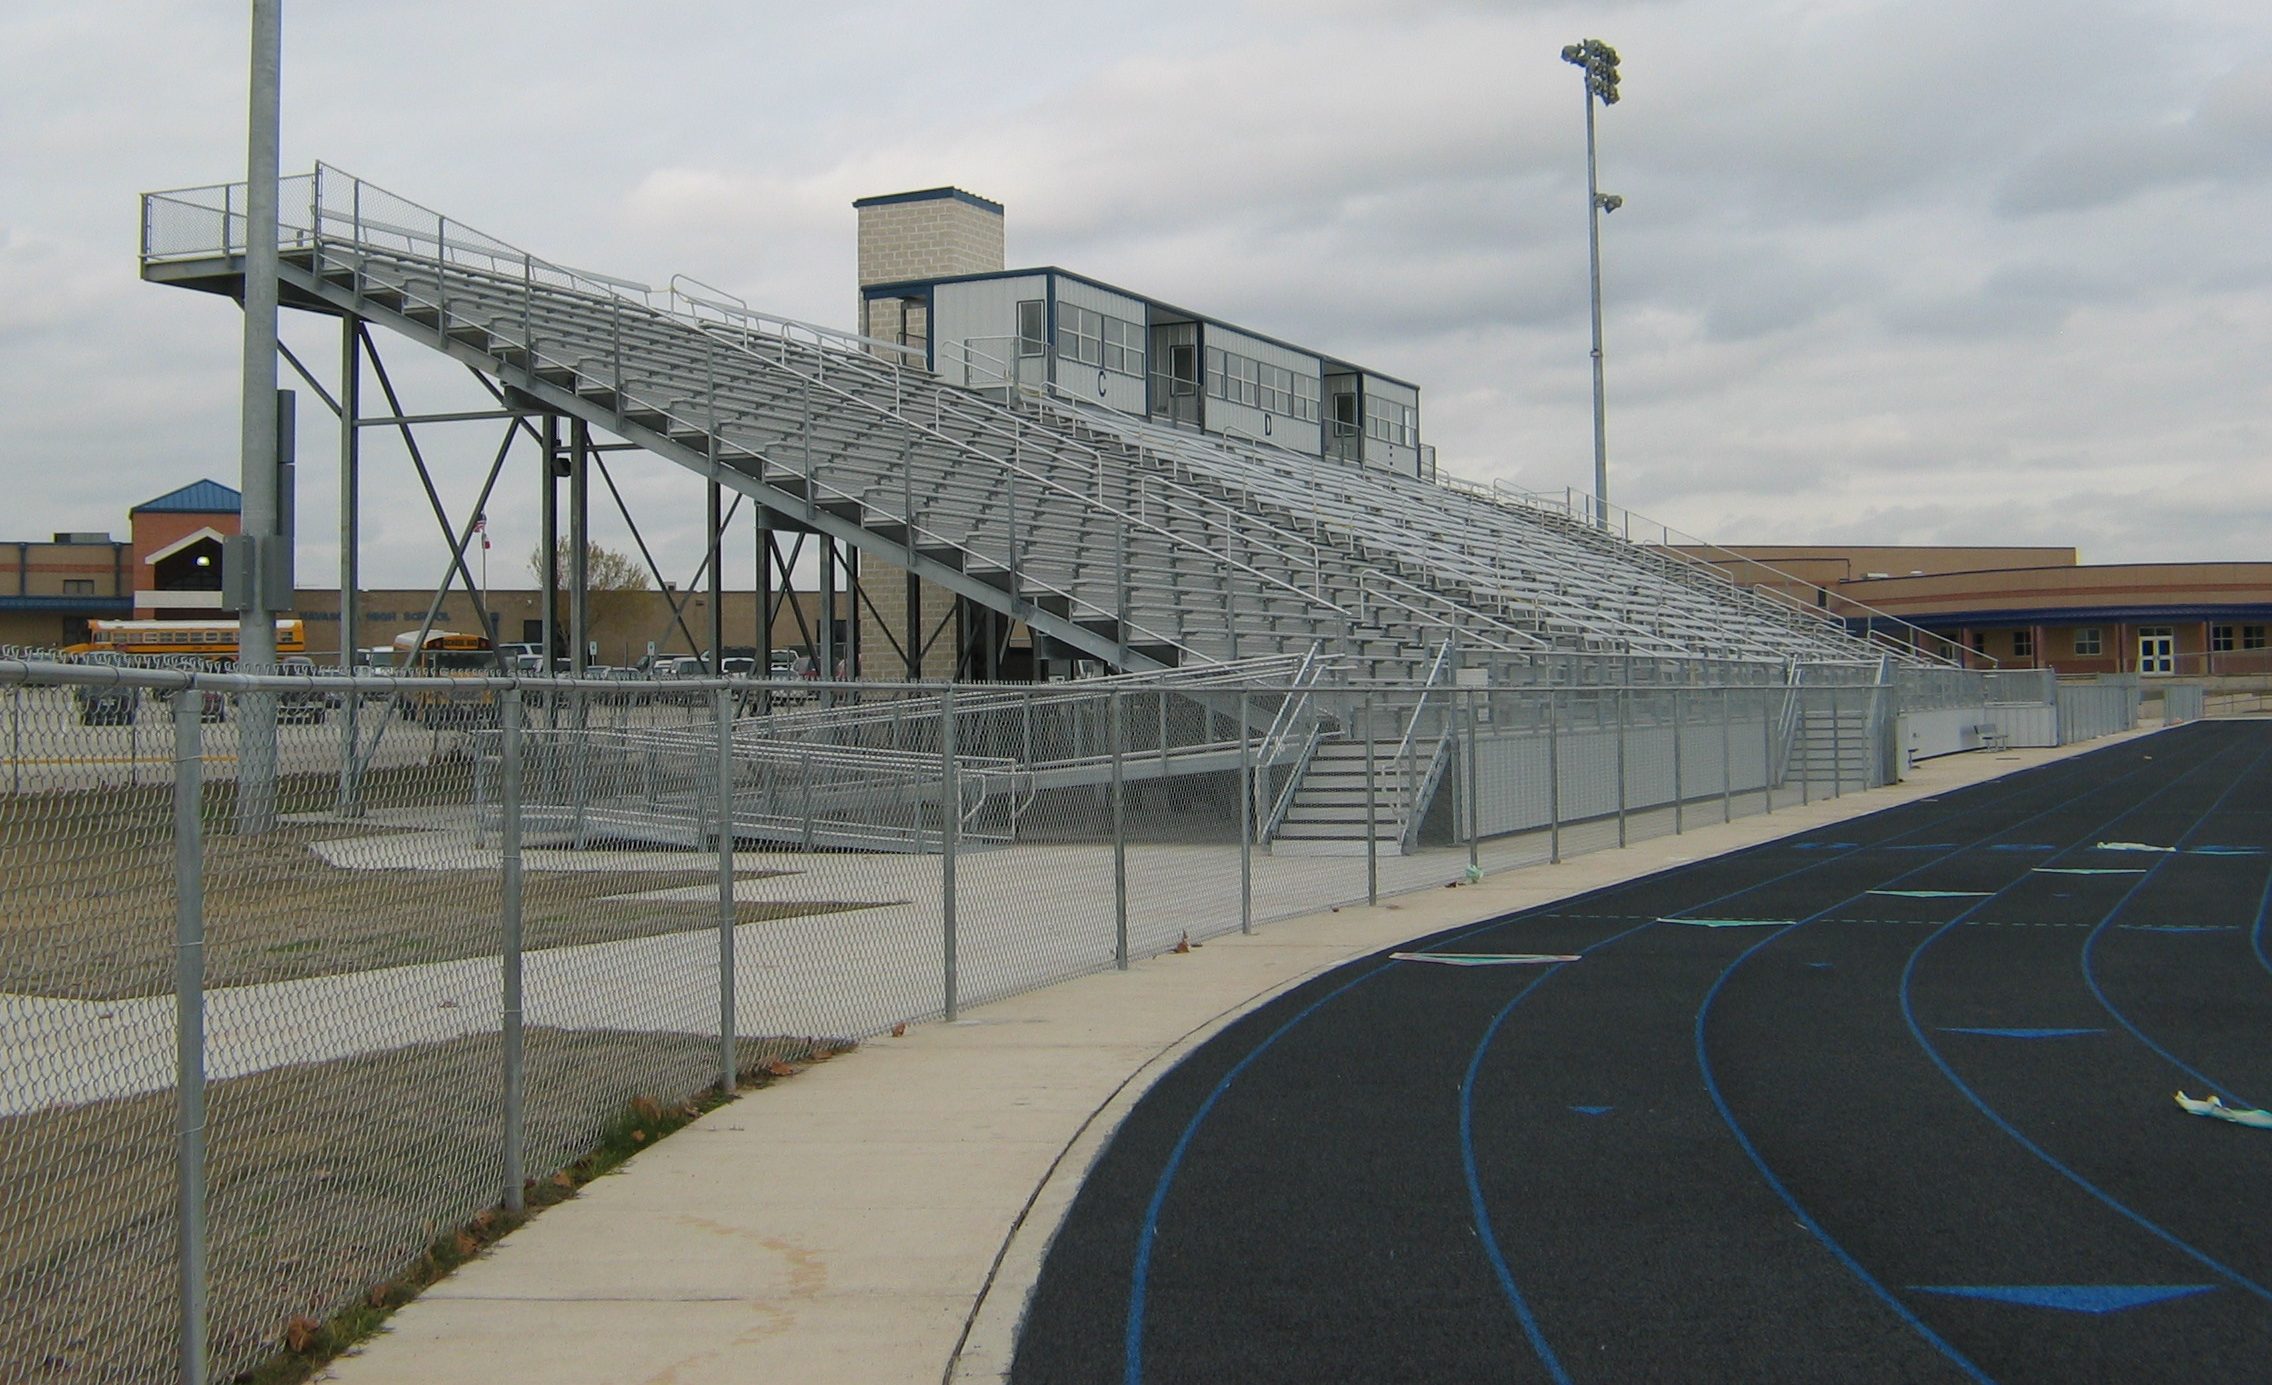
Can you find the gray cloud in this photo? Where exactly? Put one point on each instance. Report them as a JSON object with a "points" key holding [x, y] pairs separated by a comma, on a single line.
{"points": [[1903, 270]]}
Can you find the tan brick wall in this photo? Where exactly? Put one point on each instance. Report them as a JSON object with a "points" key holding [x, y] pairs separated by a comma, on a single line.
{"points": [[928, 239], [886, 589]]}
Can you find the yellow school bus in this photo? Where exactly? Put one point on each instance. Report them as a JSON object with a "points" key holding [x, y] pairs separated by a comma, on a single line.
{"points": [[445, 654], [203, 639]]}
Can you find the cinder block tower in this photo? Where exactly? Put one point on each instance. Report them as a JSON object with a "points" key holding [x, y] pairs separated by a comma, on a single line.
{"points": [[906, 236], [921, 235]]}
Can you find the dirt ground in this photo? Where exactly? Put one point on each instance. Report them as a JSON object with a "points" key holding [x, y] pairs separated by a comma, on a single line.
{"points": [[87, 897], [325, 1179]]}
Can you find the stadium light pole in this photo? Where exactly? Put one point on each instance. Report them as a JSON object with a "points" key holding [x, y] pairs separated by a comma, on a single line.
{"points": [[1599, 62], [260, 509]]}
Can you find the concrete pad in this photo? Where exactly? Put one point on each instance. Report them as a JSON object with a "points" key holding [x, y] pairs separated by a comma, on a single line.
{"points": [[845, 1225]]}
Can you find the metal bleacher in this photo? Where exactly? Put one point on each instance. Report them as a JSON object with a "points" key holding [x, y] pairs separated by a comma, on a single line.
{"points": [[1139, 546]]}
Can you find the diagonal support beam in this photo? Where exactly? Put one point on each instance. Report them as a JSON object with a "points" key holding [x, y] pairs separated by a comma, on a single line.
{"points": [[644, 552], [434, 500]]}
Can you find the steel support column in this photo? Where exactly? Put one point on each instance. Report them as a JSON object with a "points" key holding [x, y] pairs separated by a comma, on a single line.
{"points": [[579, 546], [350, 556]]}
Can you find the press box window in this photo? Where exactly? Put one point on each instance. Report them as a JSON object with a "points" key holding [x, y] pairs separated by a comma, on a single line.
{"points": [[2023, 644], [2252, 637], [2087, 641], [2221, 639], [1123, 346], [1031, 325], [1080, 335]]}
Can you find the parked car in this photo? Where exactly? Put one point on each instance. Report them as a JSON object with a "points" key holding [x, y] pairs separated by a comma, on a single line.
{"points": [[211, 706], [303, 704], [738, 667], [107, 706]]}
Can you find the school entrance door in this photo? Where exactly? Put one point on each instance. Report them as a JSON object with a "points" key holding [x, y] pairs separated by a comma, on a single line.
{"points": [[2157, 649]]}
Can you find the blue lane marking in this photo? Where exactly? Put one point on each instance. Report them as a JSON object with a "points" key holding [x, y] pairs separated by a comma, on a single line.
{"points": [[2070, 1298], [2020, 1033], [1139, 1281], [1806, 1219], [1751, 1151], [2090, 944], [2178, 927], [2032, 846], [2227, 851], [1593, 1110], [1821, 966], [1141, 1269], [1824, 846], [1995, 1117], [2256, 929]]}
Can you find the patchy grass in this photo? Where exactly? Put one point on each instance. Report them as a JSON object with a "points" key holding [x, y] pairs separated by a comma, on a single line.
{"points": [[337, 1191], [87, 899]]}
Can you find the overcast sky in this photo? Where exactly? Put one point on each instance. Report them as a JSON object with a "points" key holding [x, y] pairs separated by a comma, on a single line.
{"points": [[1911, 272]]}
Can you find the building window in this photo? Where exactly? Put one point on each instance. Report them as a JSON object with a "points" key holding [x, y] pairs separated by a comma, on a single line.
{"points": [[1390, 422], [2023, 644], [1305, 398], [1980, 642], [1080, 335], [2088, 642], [2220, 639], [78, 586], [1273, 389], [1123, 347], [2252, 637], [1030, 324]]}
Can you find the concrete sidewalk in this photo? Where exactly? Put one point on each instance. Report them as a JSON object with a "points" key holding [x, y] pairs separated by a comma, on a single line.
{"points": [[882, 1216]]}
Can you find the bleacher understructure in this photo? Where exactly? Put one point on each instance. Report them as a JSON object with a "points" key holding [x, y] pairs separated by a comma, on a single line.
{"points": [[1141, 547]]}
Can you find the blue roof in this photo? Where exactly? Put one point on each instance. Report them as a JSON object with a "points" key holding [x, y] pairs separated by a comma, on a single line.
{"points": [[196, 498]]}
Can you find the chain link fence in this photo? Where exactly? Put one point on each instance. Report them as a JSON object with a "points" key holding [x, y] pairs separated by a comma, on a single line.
{"points": [[265, 1042]]}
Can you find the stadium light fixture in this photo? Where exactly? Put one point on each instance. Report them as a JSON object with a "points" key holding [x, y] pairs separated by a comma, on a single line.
{"points": [[1599, 62]]}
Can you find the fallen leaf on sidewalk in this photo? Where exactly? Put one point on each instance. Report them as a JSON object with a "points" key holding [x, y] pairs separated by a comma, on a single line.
{"points": [[899, 1030]]}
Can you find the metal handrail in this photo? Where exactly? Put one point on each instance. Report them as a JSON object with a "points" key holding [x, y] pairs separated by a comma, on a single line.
{"points": [[503, 254], [1179, 439], [1672, 540], [733, 307], [1427, 690]]}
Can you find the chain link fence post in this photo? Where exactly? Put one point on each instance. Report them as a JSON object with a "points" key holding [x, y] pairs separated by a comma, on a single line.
{"points": [[509, 799], [1622, 723], [950, 821], [350, 800], [1767, 750], [1474, 809], [1679, 783], [1372, 812], [1803, 733], [1727, 754], [1246, 817], [729, 1062], [189, 1025], [1115, 727], [1554, 776], [1837, 745]]}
